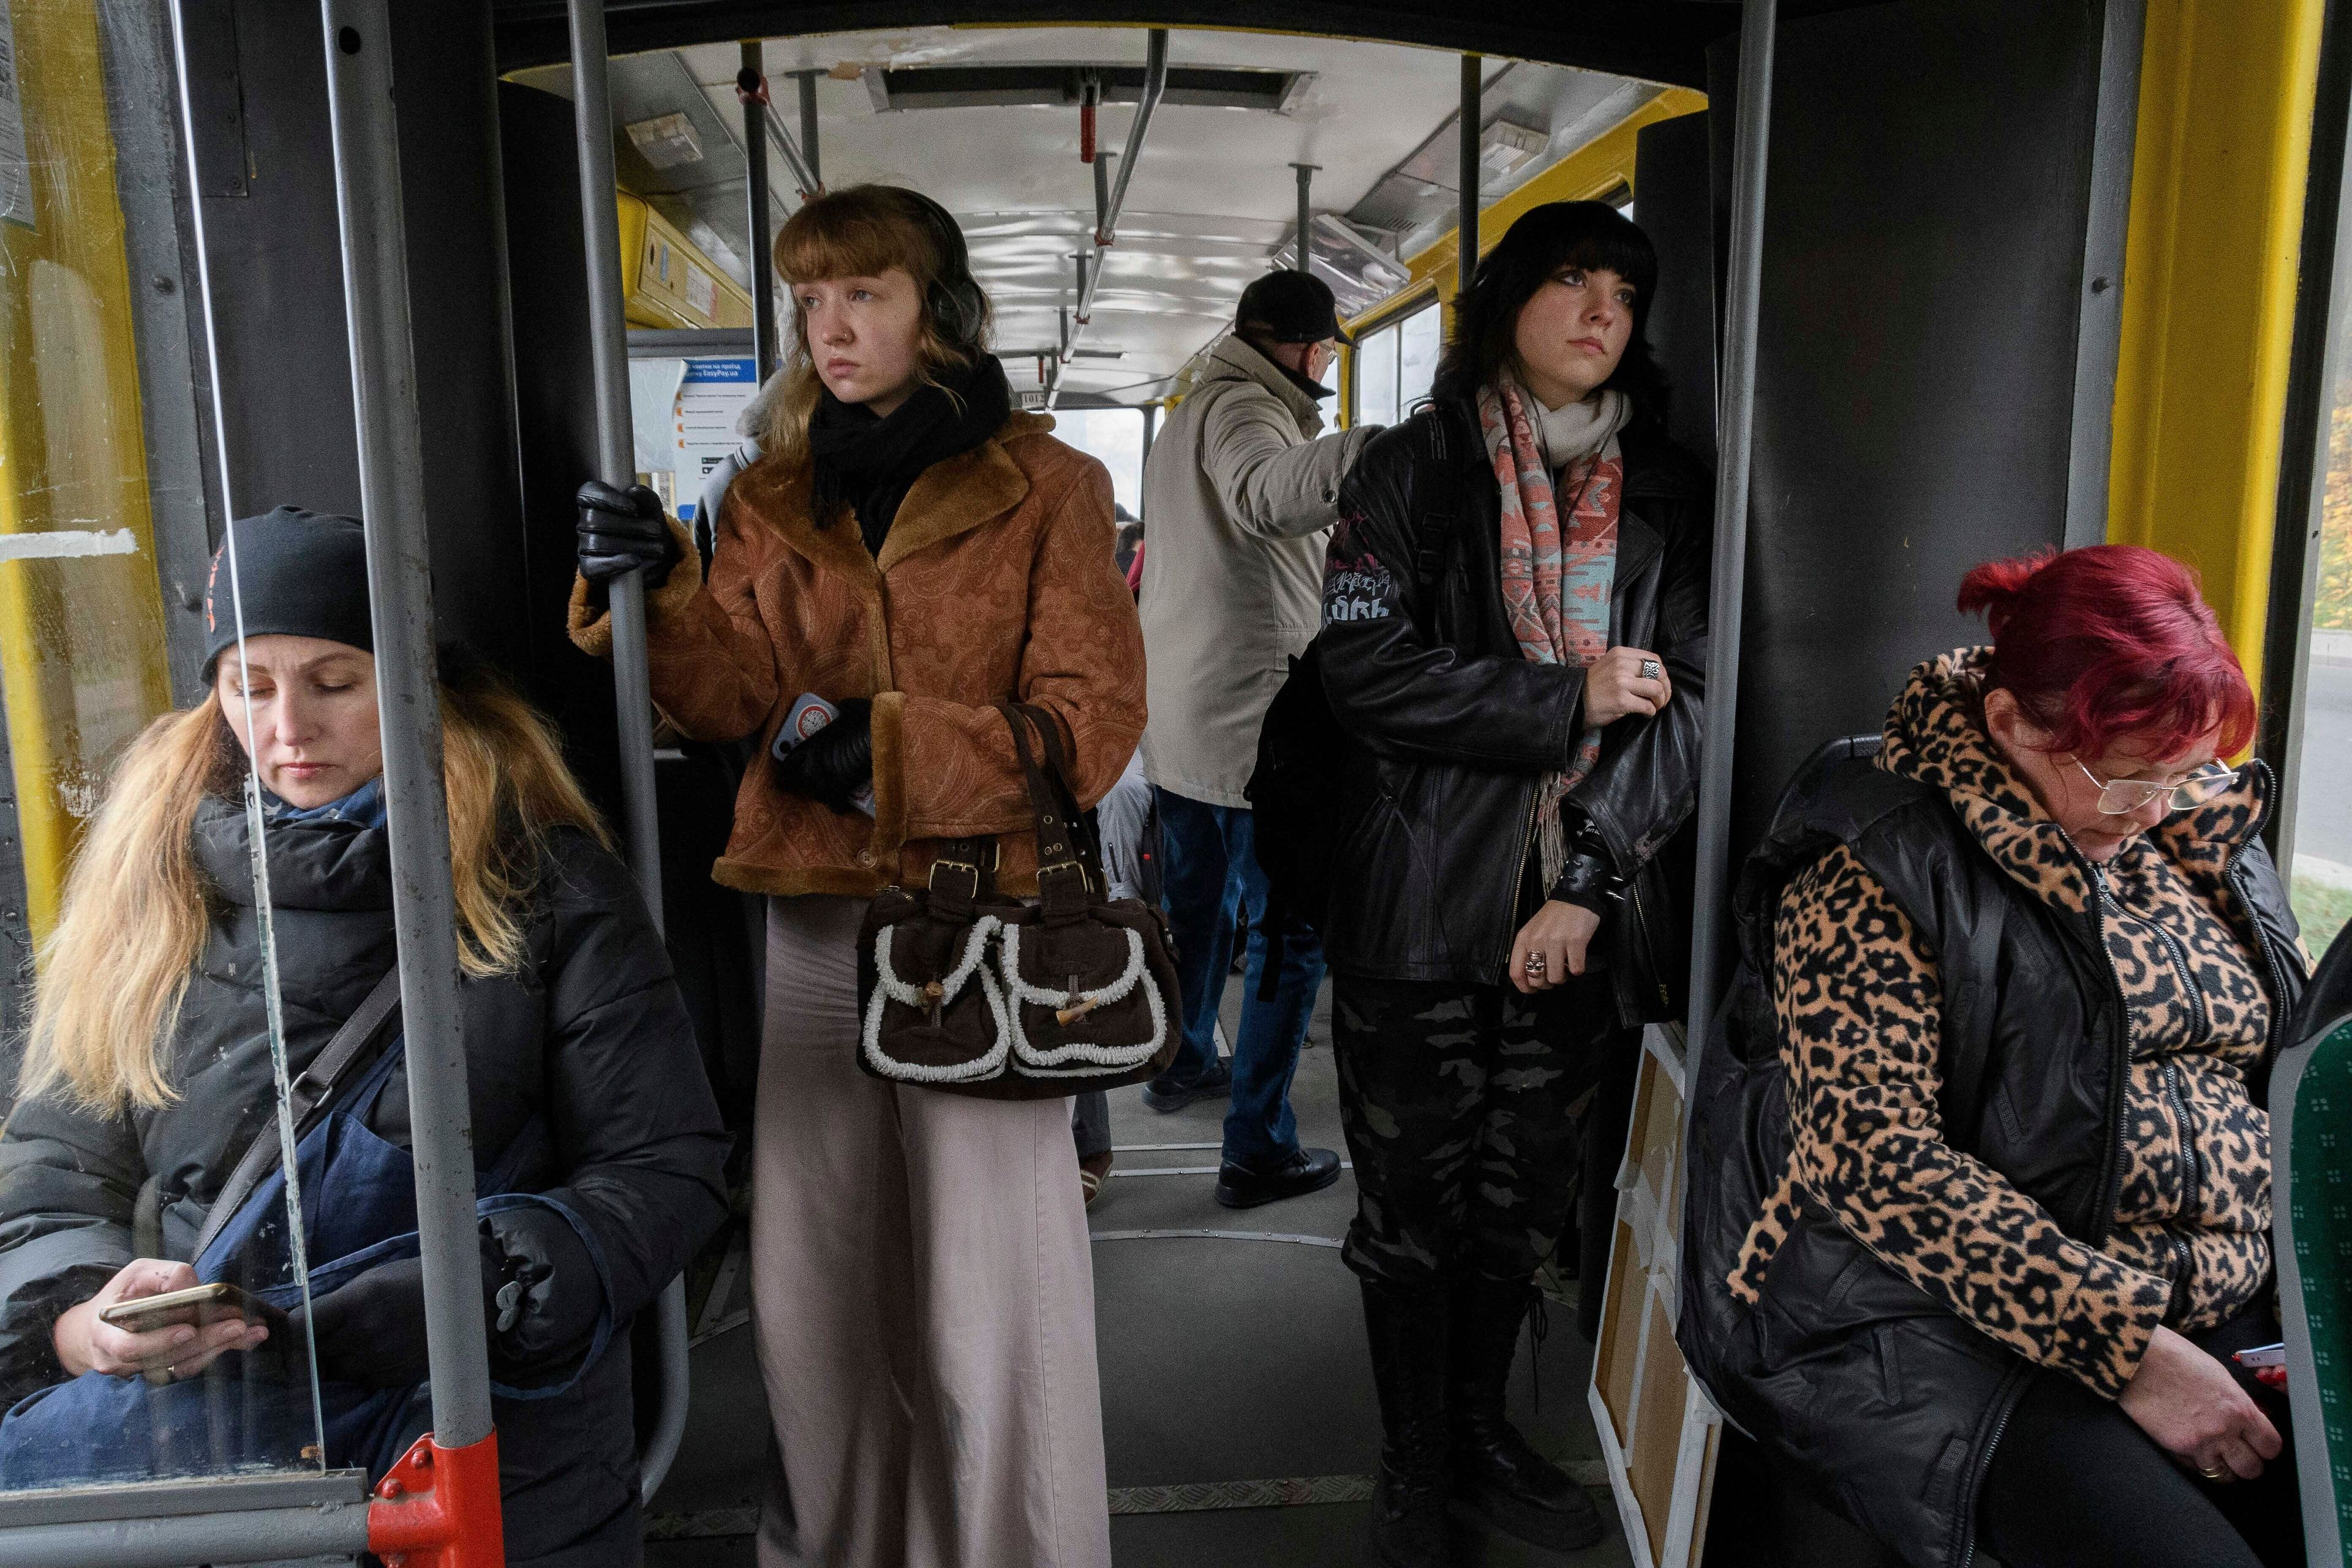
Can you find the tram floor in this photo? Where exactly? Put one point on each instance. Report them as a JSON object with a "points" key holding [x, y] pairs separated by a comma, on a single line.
{"points": [[1238, 1413]]}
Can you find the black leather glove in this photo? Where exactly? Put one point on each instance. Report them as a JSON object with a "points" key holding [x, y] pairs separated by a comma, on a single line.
{"points": [[370, 1330], [831, 764], [622, 530]]}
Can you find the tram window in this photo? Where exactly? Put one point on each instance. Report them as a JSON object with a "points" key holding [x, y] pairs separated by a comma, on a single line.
{"points": [[1376, 377], [1419, 338], [2321, 877], [1395, 365], [1114, 437]]}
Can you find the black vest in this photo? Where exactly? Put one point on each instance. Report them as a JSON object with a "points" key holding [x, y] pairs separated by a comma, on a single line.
{"points": [[1889, 1402]]}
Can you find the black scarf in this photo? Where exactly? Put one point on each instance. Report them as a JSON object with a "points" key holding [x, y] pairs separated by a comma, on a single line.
{"points": [[867, 464]]}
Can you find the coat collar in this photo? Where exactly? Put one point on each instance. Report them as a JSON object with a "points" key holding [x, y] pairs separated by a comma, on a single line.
{"points": [[951, 497], [1234, 360]]}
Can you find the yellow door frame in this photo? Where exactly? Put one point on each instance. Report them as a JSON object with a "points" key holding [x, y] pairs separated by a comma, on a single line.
{"points": [[2210, 274]]}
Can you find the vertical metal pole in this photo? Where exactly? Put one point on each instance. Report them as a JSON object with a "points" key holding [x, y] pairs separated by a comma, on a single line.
{"points": [[809, 150], [1306, 215], [755, 176], [1742, 293], [1473, 94], [616, 461], [400, 595], [632, 685]]}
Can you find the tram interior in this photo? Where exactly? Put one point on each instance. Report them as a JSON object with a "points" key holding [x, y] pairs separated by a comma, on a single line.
{"points": [[1915, 144]]}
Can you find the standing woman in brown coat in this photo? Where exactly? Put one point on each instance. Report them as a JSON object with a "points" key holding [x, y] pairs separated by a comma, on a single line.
{"points": [[914, 553]]}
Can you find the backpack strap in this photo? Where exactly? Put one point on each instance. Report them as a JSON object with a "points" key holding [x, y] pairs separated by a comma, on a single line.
{"points": [[1434, 498], [308, 1094]]}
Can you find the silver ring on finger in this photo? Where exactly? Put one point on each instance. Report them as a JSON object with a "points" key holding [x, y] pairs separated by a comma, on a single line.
{"points": [[1652, 669]]}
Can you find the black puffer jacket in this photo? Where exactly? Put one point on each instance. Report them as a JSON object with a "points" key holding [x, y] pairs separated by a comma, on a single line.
{"points": [[1891, 1402], [1454, 726], [591, 1036]]}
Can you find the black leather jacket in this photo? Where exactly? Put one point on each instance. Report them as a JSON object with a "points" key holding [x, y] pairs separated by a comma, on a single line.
{"points": [[1890, 1404], [1452, 726]]}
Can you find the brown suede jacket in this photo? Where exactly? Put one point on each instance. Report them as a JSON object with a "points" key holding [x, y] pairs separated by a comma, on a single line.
{"points": [[995, 584]]}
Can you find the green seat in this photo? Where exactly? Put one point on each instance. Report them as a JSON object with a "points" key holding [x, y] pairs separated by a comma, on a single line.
{"points": [[2311, 1151]]}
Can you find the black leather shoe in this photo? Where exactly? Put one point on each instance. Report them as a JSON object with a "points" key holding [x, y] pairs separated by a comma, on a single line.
{"points": [[1406, 1330], [1496, 1472], [1163, 1094], [1306, 1171]]}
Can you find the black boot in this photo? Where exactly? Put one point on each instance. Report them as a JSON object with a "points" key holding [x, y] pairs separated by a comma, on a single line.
{"points": [[1495, 1469], [1407, 1330]]}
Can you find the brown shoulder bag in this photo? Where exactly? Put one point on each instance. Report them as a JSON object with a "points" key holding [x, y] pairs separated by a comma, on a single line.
{"points": [[966, 990]]}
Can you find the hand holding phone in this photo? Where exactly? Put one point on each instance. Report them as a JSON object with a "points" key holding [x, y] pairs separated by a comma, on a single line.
{"points": [[86, 1340], [2267, 1363], [200, 1305]]}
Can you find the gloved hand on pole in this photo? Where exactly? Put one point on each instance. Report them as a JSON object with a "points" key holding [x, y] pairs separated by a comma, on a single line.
{"points": [[623, 531]]}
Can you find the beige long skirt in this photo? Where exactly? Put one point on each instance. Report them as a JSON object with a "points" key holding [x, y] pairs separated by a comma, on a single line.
{"points": [[923, 1297]]}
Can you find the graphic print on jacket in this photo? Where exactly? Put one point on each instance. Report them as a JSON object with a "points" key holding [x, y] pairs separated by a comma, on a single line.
{"points": [[1858, 998]]}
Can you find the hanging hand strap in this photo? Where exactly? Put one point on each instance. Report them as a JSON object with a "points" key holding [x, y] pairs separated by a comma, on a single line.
{"points": [[356, 1041]]}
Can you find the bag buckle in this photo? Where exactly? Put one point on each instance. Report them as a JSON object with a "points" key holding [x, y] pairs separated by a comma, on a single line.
{"points": [[972, 870]]}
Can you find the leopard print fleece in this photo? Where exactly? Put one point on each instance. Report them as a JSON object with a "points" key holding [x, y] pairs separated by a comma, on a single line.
{"points": [[1857, 996]]}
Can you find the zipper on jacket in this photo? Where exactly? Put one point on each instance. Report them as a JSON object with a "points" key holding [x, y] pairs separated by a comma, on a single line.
{"points": [[2189, 1156], [2103, 1217], [2200, 1016], [2014, 1392], [2234, 877], [2175, 1308], [1648, 937], [1518, 876]]}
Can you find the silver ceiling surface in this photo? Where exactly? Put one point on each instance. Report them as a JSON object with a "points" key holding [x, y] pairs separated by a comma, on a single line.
{"points": [[1213, 198]]}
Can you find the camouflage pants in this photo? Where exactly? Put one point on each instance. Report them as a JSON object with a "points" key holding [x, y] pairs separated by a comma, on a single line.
{"points": [[1455, 1101]]}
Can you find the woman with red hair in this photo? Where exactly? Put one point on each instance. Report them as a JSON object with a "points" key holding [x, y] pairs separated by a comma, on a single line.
{"points": [[1981, 1178]]}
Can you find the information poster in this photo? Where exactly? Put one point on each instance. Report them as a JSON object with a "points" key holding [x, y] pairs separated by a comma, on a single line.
{"points": [[709, 398]]}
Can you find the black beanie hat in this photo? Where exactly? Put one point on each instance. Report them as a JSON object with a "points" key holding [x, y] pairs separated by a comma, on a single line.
{"points": [[298, 574]]}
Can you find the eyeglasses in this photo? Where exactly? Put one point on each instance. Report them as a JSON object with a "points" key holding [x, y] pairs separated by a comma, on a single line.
{"points": [[2121, 797]]}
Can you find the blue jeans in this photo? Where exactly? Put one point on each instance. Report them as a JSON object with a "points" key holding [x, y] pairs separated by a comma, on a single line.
{"points": [[1211, 875]]}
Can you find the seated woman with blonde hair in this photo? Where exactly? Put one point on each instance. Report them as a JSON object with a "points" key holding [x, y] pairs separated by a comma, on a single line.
{"points": [[149, 1075]]}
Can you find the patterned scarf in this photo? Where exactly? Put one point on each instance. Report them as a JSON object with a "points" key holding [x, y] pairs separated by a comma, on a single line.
{"points": [[1557, 573]]}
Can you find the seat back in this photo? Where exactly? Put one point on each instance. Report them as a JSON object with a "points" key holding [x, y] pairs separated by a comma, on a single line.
{"points": [[2311, 1151]]}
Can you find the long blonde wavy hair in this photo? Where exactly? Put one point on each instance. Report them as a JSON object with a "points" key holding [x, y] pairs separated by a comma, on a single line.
{"points": [[858, 231], [136, 907]]}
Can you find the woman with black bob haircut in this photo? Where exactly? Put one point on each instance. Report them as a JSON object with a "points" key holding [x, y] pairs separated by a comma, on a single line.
{"points": [[1514, 643]]}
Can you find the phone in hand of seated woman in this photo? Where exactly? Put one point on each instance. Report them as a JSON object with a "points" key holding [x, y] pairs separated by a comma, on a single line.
{"points": [[147, 1077]]}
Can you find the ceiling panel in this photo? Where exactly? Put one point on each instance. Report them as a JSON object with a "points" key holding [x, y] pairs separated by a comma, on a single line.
{"points": [[1210, 204]]}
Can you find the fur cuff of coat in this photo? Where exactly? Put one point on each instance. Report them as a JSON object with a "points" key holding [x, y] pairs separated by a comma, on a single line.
{"points": [[591, 628]]}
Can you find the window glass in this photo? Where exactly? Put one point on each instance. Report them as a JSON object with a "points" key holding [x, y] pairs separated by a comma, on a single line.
{"points": [[100, 1204], [1376, 377], [1114, 437], [1419, 338], [2322, 871]]}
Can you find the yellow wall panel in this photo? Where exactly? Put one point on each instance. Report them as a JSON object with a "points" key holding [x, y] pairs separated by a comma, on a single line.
{"points": [[2209, 281], [81, 637]]}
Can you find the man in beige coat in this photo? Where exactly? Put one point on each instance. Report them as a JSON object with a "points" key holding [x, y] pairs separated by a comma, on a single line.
{"points": [[1240, 492]]}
